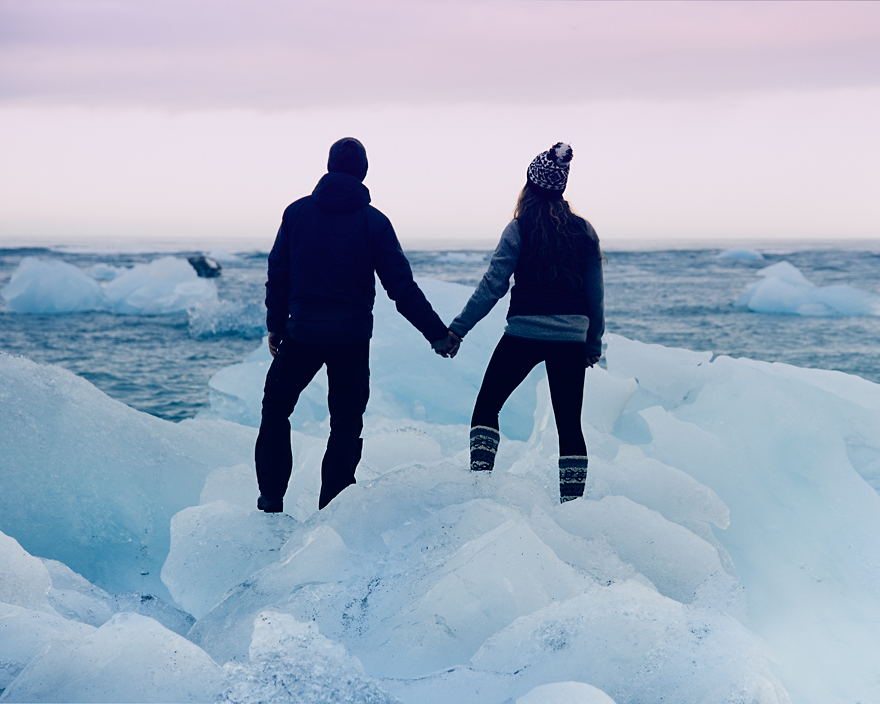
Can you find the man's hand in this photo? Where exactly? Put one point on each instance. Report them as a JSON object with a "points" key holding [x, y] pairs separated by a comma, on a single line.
{"points": [[274, 341], [593, 360], [448, 346]]}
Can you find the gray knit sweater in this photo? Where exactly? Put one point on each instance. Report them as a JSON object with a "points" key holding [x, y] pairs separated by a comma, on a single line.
{"points": [[495, 283]]}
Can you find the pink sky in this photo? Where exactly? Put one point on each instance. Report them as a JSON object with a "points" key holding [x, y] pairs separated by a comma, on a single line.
{"points": [[200, 120]]}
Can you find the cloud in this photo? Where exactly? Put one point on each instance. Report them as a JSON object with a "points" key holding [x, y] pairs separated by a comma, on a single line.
{"points": [[277, 54]]}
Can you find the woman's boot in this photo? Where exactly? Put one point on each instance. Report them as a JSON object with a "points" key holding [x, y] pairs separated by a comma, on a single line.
{"points": [[572, 477], [484, 446]]}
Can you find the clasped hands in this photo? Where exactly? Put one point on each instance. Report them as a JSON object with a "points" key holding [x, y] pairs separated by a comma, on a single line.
{"points": [[447, 346]]}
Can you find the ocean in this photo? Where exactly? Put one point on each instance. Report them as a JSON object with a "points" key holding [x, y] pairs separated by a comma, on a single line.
{"points": [[161, 364]]}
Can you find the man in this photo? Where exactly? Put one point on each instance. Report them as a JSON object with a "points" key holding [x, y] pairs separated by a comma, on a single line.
{"points": [[319, 300]]}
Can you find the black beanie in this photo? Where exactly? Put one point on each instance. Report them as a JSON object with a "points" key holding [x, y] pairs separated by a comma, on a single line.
{"points": [[348, 156]]}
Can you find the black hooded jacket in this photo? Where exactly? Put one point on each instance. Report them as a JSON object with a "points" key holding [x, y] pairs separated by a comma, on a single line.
{"points": [[330, 246]]}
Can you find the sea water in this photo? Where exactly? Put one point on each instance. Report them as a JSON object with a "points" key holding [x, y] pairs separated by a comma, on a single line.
{"points": [[161, 364]]}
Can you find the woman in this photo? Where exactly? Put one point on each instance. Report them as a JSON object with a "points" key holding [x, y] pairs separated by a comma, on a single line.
{"points": [[556, 315]]}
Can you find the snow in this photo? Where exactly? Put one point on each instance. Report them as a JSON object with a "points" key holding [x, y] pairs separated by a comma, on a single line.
{"points": [[783, 289], [741, 253], [165, 285], [725, 548]]}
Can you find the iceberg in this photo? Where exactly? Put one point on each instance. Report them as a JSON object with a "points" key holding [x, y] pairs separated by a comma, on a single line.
{"points": [[51, 286], [165, 285], [725, 548], [783, 289]]}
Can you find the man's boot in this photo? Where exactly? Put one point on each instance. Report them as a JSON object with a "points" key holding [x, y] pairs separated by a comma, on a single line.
{"points": [[338, 468]]}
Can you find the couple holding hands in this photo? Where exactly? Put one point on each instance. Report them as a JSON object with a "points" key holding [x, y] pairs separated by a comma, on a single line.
{"points": [[319, 299]]}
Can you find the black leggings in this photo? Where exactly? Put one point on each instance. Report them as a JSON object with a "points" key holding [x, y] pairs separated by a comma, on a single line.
{"points": [[513, 359]]}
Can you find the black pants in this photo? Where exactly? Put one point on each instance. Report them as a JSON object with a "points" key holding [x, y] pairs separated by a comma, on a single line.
{"points": [[513, 359], [295, 365]]}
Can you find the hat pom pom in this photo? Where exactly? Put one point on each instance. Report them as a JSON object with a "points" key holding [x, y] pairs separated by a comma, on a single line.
{"points": [[560, 153]]}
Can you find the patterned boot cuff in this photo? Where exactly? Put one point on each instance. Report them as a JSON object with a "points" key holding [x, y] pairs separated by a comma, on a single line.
{"points": [[572, 477], [484, 446]]}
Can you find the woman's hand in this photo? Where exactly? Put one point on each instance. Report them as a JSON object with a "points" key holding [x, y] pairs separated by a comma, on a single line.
{"points": [[593, 359], [448, 346]]}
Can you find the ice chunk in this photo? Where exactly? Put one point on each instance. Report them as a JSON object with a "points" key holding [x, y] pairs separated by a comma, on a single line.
{"points": [[635, 645], [51, 286], [223, 545], [673, 493], [675, 560], [165, 285], [772, 442], [105, 272], [683, 370], [75, 598], [131, 658], [235, 485], [24, 580], [741, 253], [384, 451], [565, 693], [172, 618], [319, 556], [25, 632], [784, 289], [292, 662], [111, 477]]}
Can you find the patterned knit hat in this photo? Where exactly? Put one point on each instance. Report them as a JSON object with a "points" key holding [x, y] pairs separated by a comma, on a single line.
{"points": [[547, 175]]}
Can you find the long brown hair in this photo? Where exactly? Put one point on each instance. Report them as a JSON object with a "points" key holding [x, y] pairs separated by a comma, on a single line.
{"points": [[556, 231]]}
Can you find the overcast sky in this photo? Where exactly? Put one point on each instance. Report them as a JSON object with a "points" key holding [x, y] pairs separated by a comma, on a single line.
{"points": [[199, 120]]}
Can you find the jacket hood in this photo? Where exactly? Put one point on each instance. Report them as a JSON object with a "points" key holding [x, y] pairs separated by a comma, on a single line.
{"points": [[340, 193]]}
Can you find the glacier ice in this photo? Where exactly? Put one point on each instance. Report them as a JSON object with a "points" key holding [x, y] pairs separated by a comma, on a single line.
{"points": [[165, 285], [131, 658], [784, 289], [290, 661], [724, 550], [93, 483]]}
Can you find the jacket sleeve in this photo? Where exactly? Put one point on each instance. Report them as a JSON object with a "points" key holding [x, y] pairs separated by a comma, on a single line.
{"points": [[278, 282], [396, 277], [594, 284], [494, 283]]}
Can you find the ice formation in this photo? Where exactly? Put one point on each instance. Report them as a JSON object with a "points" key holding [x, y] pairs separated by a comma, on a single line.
{"points": [[784, 289], [741, 253], [165, 285], [93, 483], [725, 549]]}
